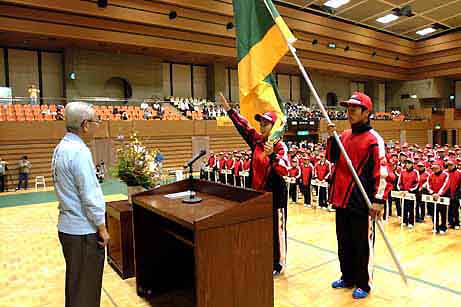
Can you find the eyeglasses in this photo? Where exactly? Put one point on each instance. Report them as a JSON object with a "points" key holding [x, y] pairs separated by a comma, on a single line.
{"points": [[91, 121]]}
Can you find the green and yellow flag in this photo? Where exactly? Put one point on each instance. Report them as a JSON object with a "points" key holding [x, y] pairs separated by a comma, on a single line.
{"points": [[262, 38]]}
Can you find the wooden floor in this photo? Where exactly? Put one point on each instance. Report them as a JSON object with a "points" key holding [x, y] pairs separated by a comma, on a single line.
{"points": [[32, 265]]}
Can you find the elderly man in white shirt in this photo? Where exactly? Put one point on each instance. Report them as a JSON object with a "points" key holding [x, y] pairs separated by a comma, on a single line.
{"points": [[81, 223]]}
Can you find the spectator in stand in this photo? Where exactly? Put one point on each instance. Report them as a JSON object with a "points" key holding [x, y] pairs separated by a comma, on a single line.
{"points": [[3, 170], [147, 114], [24, 171], [144, 106], [33, 94], [59, 115]]}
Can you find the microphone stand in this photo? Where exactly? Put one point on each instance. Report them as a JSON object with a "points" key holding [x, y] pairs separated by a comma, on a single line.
{"points": [[192, 198]]}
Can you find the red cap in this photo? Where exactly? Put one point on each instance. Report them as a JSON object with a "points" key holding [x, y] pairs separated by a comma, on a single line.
{"points": [[269, 116], [359, 99], [438, 164], [451, 162], [421, 164]]}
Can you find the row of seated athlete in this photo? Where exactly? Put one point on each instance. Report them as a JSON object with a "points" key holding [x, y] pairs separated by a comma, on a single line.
{"points": [[434, 171]]}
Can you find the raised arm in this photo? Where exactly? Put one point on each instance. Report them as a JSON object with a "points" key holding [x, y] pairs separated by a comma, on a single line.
{"points": [[248, 133]]}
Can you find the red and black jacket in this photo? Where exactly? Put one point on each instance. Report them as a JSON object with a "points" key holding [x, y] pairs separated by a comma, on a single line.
{"points": [[366, 150], [266, 172], [408, 181]]}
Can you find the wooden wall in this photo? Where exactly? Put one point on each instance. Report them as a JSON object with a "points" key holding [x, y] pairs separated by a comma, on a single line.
{"points": [[37, 140]]}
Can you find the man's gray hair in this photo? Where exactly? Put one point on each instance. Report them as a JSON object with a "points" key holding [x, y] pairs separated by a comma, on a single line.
{"points": [[76, 112]]}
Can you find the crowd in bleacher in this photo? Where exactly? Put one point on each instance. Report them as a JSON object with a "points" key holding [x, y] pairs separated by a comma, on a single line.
{"points": [[412, 170], [154, 109], [197, 108]]}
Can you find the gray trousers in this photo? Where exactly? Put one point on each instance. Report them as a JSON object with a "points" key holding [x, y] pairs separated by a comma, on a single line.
{"points": [[84, 268]]}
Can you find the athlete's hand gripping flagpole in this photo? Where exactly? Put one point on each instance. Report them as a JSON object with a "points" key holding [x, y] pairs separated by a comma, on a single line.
{"points": [[343, 151]]}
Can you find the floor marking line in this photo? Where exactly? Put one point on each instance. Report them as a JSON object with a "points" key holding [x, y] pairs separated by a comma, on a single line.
{"points": [[428, 283], [312, 268], [110, 297]]}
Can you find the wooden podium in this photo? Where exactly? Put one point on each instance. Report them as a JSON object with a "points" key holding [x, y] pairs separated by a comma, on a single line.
{"points": [[218, 253], [120, 248]]}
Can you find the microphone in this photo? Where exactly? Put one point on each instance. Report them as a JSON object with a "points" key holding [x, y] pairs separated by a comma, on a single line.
{"points": [[197, 156]]}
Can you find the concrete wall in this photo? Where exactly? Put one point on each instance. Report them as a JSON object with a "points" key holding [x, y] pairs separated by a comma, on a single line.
{"points": [[430, 92], [95, 68]]}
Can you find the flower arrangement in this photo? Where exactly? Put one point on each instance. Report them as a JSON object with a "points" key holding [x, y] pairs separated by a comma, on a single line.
{"points": [[136, 164]]}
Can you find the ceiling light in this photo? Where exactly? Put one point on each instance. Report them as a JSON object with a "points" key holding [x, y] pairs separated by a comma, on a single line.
{"points": [[331, 45], [388, 18], [425, 31], [414, 96], [336, 3]]}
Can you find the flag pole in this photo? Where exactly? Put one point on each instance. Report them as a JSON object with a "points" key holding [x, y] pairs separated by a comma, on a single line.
{"points": [[343, 151]]}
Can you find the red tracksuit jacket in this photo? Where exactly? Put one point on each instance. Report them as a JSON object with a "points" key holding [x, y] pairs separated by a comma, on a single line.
{"points": [[454, 182], [246, 165], [294, 172], [423, 180], [367, 153], [266, 172], [322, 170], [212, 162], [221, 164], [306, 174], [230, 164], [437, 183], [390, 181], [237, 167], [408, 181]]}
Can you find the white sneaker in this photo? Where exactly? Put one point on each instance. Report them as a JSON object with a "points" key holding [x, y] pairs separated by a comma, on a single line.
{"points": [[442, 232], [410, 226], [308, 206], [324, 208], [331, 209], [457, 227]]}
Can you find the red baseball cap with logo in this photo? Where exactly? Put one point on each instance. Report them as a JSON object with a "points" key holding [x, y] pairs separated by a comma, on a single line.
{"points": [[269, 116], [359, 99]]}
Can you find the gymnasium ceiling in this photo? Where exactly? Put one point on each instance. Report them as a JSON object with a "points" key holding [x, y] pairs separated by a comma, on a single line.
{"points": [[444, 14]]}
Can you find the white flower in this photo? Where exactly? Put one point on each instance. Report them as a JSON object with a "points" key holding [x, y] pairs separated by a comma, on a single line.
{"points": [[152, 167], [139, 149]]}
